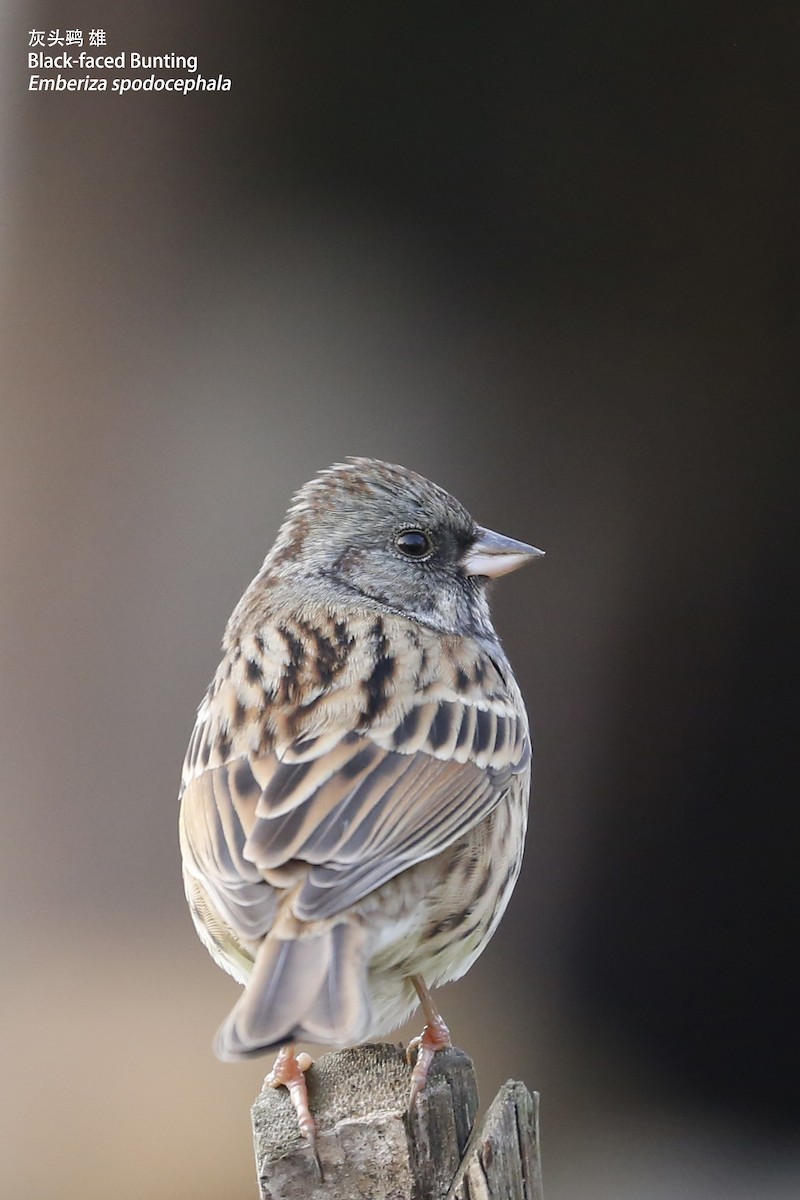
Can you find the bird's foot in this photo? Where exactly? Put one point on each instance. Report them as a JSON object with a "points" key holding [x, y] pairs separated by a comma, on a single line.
{"points": [[435, 1036], [289, 1071]]}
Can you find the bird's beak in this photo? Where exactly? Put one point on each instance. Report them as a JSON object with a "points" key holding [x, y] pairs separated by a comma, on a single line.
{"points": [[493, 554]]}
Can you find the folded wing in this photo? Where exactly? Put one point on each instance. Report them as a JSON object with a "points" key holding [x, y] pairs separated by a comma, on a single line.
{"points": [[341, 813]]}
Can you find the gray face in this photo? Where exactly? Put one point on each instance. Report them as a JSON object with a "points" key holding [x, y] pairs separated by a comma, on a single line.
{"points": [[374, 535], [403, 555]]}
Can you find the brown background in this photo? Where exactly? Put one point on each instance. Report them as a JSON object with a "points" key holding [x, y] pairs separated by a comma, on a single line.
{"points": [[548, 258]]}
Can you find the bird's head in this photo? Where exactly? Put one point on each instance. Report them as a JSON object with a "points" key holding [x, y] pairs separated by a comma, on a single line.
{"points": [[371, 534]]}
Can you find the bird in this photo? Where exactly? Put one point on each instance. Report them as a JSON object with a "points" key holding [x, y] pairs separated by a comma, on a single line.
{"points": [[354, 796]]}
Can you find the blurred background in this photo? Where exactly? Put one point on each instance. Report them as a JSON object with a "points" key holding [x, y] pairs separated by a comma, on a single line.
{"points": [[547, 256]]}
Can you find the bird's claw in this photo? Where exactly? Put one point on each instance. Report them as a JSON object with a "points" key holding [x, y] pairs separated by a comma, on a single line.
{"points": [[289, 1071], [421, 1051]]}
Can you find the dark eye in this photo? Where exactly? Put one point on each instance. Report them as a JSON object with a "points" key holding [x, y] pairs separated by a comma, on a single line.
{"points": [[413, 543]]}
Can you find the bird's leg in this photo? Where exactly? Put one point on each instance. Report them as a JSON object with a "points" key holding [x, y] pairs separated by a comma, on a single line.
{"points": [[435, 1036], [288, 1071]]}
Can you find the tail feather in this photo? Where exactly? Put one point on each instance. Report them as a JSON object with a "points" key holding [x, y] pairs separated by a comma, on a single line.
{"points": [[341, 1009], [306, 988]]}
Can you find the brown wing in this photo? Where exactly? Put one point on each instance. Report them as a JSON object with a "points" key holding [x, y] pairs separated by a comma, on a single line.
{"points": [[347, 811]]}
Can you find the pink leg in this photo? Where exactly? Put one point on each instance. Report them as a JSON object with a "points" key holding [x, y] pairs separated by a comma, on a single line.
{"points": [[435, 1036], [288, 1071]]}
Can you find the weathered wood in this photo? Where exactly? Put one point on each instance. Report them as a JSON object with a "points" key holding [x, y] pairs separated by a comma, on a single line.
{"points": [[372, 1149], [503, 1158]]}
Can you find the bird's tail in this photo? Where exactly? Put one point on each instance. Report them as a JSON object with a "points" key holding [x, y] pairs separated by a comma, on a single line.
{"points": [[310, 987]]}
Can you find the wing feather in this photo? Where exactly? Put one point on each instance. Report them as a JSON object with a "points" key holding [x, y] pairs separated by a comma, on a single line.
{"points": [[387, 809], [335, 812]]}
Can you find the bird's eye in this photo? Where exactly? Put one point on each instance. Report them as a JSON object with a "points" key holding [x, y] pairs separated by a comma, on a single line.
{"points": [[413, 543]]}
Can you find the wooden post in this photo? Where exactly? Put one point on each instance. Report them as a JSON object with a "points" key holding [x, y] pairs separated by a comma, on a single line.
{"points": [[371, 1149]]}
